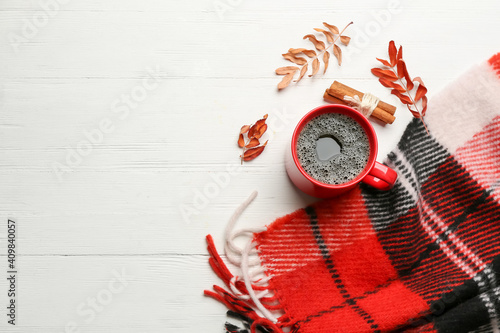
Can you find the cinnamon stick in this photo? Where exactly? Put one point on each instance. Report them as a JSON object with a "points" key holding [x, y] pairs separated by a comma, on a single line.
{"points": [[335, 94]]}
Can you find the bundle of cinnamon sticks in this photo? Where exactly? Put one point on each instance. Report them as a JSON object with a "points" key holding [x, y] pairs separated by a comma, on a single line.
{"points": [[337, 91]]}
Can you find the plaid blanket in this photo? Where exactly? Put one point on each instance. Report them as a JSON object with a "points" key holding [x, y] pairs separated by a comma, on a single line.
{"points": [[422, 257]]}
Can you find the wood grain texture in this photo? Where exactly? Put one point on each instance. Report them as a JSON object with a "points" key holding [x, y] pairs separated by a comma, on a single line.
{"points": [[173, 81]]}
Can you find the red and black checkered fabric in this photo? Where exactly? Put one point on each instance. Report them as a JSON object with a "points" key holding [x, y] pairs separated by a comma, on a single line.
{"points": [[422, 257]]}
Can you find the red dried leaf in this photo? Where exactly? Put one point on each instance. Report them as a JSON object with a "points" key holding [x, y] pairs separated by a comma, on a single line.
{"points": [[424, 105], [384, 73], [403, 98], [400, 53], [389, 84], [319, 45], [252, 153], [385, 62], [421, 90], [409, 83], [253, 143], [265, 116], [392, 53], [260, 131], [255, 129], [244, 129], [415, 114], [241, 141]]}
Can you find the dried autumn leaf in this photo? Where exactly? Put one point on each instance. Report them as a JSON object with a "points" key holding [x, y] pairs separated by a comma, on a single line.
{"points": [[409, 82], [309, 53], [244, 129], [241, 141], [252, 153], [320, 53], [384, 73], [385, 62], [403, 98], [332, 28], [389, 84], [286, 70], [345, 40], [260, 131], [319, 45], [421, 90], [337, 52], [328, 34], [392, 53], [402, 90], [256, 127], [253, 143], [326, 59], [400, 53], [286, 81], [296, 60], [315, 67], [303, 71]]}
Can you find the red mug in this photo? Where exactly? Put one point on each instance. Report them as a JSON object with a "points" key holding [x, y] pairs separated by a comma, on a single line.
{"points": [[374, 173]]}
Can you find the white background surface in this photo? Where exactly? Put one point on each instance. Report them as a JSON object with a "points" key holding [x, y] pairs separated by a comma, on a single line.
{"points": [[65, 68]]}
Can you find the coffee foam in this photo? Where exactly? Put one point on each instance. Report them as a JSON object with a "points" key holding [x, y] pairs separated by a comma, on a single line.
{"points": [[340, 168]]}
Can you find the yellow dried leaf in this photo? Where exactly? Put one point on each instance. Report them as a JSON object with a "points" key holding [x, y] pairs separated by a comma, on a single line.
{"points": [[286, 70], [326, 59], [319, 45], [337, 52], [296, 60], [332, 28], [345, 40], [285, 82]]}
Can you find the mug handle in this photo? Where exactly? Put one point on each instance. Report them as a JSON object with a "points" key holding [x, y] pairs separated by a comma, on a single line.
{"points": [[381, 177]]}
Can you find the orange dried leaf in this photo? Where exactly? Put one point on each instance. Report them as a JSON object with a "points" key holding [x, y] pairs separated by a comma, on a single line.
{"points": [[384, 62], [409, 82], [345, 40], [392, 53], [400, 53], [315, 67], [332, 28], [337, 52], [253, 143], [261, 130], [265, 116], [384, 73], [328, 34], [403, 98], [241, 141], [421, 90], [319, 45], [286, 70], [252, 153], [244, 129], [303, 71], [309, 53], [296, 60], [326, 59], [389, 84], [286, 81]]}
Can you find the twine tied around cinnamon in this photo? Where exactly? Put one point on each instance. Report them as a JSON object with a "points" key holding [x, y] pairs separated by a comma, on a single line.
{"points": [[365, 105]]}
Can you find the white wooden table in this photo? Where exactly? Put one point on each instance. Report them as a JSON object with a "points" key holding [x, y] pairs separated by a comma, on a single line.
{"points": [[116, 116]]}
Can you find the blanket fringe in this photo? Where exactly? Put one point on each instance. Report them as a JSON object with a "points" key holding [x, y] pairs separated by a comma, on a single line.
{"points": [[241, 307]]}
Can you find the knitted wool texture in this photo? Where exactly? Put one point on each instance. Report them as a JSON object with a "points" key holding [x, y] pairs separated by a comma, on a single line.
{"points": [[422, 257]]}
